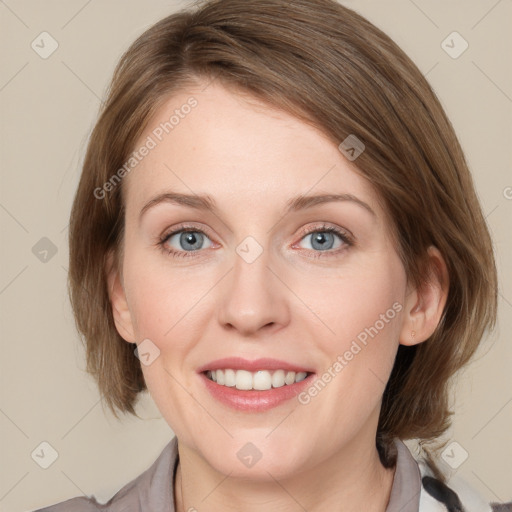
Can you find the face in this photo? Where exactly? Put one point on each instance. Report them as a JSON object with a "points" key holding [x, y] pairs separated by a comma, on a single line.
{"points": [[314, 286]]}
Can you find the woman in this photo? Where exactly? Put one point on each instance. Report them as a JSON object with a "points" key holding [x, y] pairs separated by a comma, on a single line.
{"points": [[276, 234]]}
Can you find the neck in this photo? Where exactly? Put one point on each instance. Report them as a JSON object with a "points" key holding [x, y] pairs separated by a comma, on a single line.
{"points": [[349, 481]]}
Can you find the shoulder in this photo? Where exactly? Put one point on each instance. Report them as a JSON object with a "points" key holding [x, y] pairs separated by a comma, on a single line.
{"points": [[81, 504], [151, 489]]}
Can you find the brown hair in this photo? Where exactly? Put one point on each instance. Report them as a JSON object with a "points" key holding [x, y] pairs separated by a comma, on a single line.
{"points": [[330, 67]]}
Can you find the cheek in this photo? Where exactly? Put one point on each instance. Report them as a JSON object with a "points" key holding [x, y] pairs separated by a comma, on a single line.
{"points": [[361, 313], [168, 308], [366, 296], [370, 310], [159, 296], [165, 307]]}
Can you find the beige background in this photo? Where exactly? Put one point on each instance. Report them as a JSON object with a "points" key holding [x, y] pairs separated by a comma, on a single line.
{"points": [[48, 107]]}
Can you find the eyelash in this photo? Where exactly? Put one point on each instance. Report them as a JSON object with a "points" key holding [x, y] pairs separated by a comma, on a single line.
{"points": [[345, 237]]}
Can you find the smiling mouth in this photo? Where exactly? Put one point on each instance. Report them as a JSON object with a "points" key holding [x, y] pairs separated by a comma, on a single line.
{"points": [[261, 380]]}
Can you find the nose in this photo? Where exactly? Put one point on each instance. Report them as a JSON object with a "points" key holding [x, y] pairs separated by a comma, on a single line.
{"points": [[253, 297]]}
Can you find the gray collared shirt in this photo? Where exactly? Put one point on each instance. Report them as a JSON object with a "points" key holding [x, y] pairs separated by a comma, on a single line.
{"points": [[152, 491]]}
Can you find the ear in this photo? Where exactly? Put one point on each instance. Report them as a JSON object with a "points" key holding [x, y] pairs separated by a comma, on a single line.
{"points": [[116, 293], [424, 307]]}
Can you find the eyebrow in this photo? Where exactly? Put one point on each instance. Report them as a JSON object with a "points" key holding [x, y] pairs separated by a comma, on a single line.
{"points": [[206, 203]]}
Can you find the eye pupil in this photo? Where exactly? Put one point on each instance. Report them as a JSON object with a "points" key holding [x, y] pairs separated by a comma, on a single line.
{"points": [[192, 238], [324, 240]]}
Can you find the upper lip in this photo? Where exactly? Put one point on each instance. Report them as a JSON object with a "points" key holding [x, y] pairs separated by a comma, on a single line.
{"points": [[239, 363]]}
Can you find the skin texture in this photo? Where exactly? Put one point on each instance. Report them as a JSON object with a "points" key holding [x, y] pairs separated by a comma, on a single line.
{"points": [[287, 304]]}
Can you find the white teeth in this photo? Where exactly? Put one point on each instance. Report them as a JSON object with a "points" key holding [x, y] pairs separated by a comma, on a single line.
{"points": [[261, 380], [229, 378], [243, 379], [290, 378], [278, 379], [300, 376]]}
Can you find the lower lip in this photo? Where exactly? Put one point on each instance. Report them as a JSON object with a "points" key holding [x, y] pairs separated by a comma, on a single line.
{"points": [[253, 400]]}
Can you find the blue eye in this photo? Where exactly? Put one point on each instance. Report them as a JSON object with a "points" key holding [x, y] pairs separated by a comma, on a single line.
{"points": [[190, 239], [322, 240]]}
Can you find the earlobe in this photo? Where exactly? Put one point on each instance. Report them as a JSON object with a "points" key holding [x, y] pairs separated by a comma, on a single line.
{"points": [[424, 306], [117, 296]]}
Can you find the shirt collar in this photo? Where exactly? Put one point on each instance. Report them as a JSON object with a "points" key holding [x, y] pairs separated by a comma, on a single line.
{"points": [[406, 489]]}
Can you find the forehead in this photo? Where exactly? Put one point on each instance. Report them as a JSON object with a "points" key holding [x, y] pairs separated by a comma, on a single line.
{"points": [[235, 148]]}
